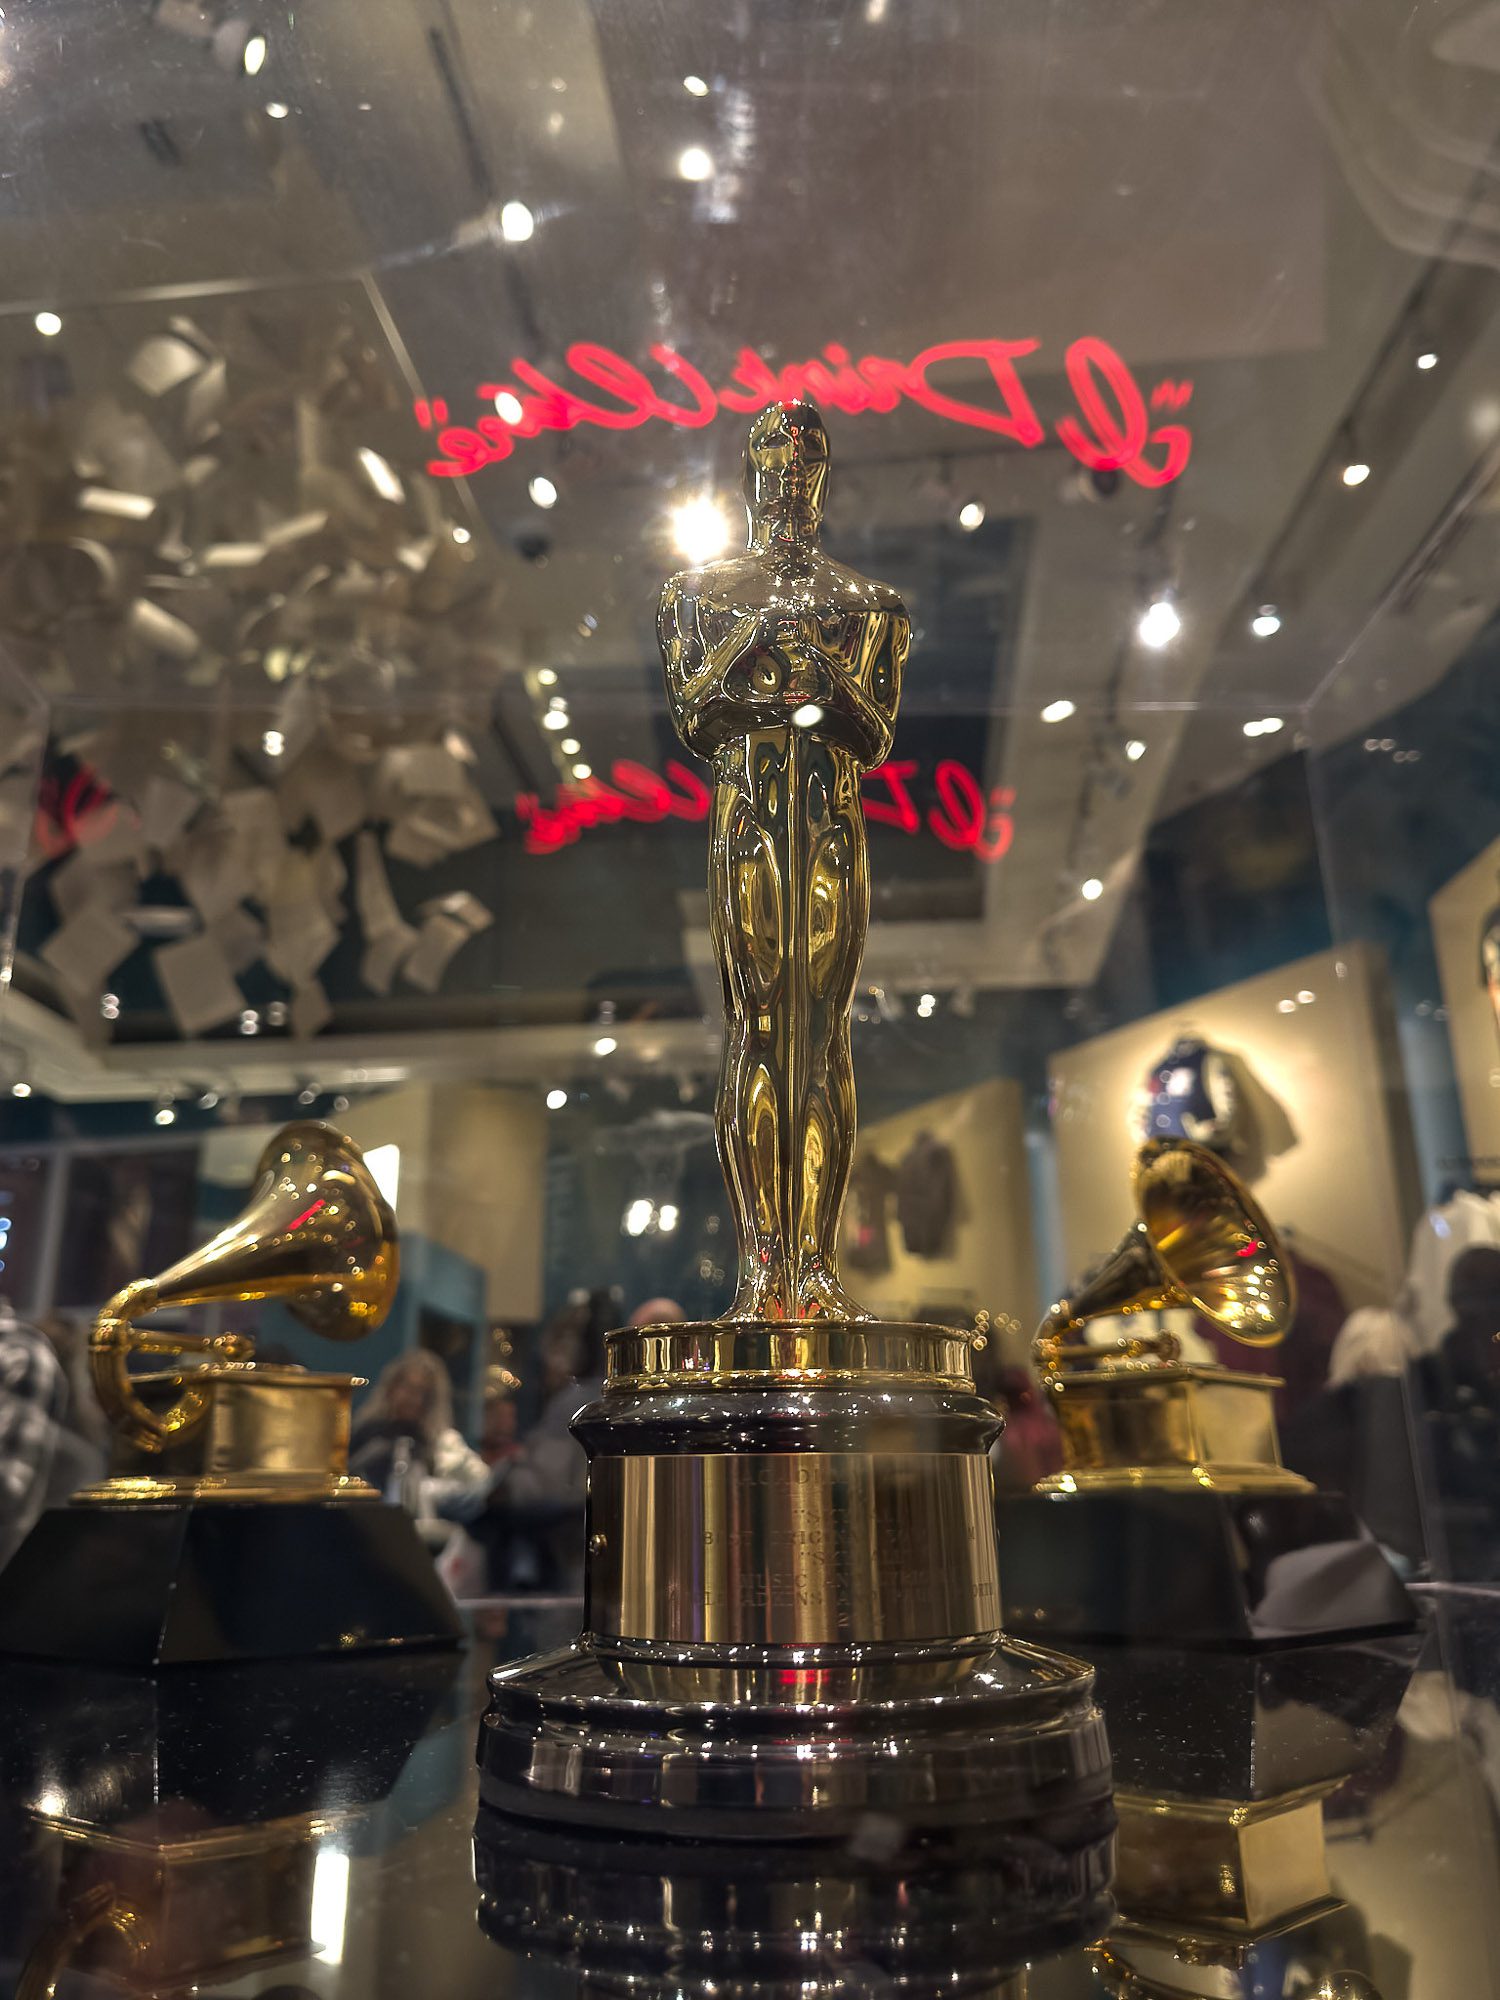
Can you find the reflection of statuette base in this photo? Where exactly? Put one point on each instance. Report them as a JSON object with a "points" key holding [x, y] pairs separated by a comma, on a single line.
{"points": [[755, 1743], [663, 1920], [1194, 1568], [165, 1582], [266, 1433], [1181, 1425], [1228, 1865]]}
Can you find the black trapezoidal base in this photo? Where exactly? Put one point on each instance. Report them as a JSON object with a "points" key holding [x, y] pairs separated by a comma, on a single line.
{"points": [[177, 1582], [782, 1744], [1193, 1568]]}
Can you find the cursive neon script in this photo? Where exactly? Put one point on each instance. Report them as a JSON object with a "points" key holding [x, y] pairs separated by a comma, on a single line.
{"points": [[1111, 428], [965, 817]]}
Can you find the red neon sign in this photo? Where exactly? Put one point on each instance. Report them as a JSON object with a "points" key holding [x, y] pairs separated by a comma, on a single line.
{"points": [[1111, 431], [965, 817]]}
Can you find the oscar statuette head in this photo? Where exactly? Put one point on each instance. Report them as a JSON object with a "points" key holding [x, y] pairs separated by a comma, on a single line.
{"points": [[786, 471]]}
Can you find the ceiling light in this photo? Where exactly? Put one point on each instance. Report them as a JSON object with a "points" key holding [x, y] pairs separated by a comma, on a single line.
{"points": [[508, 405], [666, 1216], [462, 537], [556, 1099], [208, 1100], [166, 1114], [273, 743], [555, 718], [48, 323], [557, 701], [570, 746], [1135, 749], [925, 1005], [1159, 624], [638, 1217], [1306, 997], [694, 163], [546, 677], [605, 1046], [1355, 473], [971, 515], [20, 1090], [1266, 726], [254, 57], [380, 475], [808, 716], [1091, 890], [1427, 359], [542, 491], [1059, 711], [1286, 1006], [516, 222], [275, 109], [582, 771], [249, 1021], [1266, 622], [695, 86], [109, 1006], [700, 529]]}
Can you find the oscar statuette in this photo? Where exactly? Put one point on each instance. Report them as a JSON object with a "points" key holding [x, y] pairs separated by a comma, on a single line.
{"points": [[792, 1620]]}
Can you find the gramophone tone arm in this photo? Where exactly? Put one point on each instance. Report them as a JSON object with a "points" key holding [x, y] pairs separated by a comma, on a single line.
{"points": [[1051, 1350], [95, 1909], [116, 1336]]}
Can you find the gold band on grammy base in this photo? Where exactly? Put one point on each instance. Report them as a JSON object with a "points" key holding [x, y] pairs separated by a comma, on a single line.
{"points": [[723, 1354]]}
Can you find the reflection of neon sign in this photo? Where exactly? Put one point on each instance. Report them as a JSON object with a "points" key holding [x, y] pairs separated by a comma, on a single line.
{"points": [[1111, 430], [965, 817]]}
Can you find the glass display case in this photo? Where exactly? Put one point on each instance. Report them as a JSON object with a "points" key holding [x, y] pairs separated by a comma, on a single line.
{"points": [[369, 371]]}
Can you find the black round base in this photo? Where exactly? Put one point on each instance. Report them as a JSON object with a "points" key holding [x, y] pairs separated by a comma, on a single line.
{"points": [[815, 1743], [950, 1915]]}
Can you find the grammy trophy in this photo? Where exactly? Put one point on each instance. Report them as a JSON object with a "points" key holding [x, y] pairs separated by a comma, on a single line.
{"points": [[229, 1527], [792, 1616], [1173, 1519]]}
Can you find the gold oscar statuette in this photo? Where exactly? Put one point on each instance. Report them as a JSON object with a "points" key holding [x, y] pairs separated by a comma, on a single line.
{"points": [[793, 1612]]}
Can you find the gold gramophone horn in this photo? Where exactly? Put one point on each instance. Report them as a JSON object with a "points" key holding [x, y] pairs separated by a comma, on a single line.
{"points": [[1199, 1240], [317, 1233]]}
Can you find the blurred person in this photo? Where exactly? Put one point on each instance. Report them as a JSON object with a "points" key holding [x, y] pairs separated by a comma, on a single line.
{"points": [[499, 1442], [33, 1401], [405, 1436], [1459, 1390], [1030, 1446], [656, 1312]]}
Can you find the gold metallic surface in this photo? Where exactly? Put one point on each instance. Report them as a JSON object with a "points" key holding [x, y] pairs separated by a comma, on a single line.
{"points": [[794, 1548], [170, 1915], [1132, 1414], [784, 671], [1199, 1241], [1178, 1425], [1234, 1865], [317, 1235], [713, 1354]]}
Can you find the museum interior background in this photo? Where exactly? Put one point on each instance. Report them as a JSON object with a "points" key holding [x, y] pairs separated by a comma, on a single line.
{"points": [[336, 772]]}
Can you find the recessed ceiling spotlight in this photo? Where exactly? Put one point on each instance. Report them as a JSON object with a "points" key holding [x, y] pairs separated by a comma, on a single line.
{"points": [[517, 223], [1266, 622], [48, 323], [254, 58], [508, 405], [570, 746], [1355, 473], [582, 771], [20, 1090], [1266, 726], [605, 1046], [695, 86], [462, 537], [695, 163], [556, 1099], [546, 677], [1135, 749], [555, 718], [1091, 890], [276, 109], [542, 491], [273, 742], [1060, 710], [971, 515], [1159, 624], [1427, 359]]}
